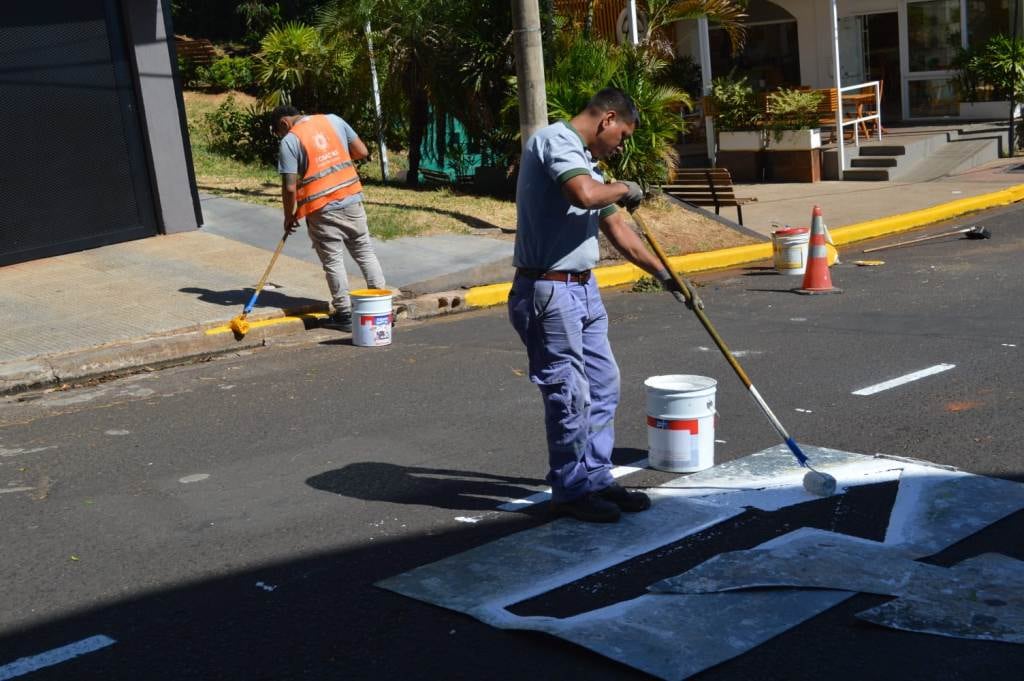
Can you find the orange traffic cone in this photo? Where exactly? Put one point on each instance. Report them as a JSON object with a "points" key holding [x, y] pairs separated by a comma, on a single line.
{"points": [[816, 277]]}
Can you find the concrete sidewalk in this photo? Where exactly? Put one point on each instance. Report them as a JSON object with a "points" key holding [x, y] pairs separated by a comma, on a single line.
{"points": [[168, 298]]}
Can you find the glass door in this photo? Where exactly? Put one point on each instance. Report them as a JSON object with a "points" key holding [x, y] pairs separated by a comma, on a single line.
{"points": [[932, 32]]}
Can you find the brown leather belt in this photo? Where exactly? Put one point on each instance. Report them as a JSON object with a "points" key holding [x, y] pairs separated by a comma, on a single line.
{"points": [[555, 275]]}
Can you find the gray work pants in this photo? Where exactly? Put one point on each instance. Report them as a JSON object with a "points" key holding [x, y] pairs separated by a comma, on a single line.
{"points": [[334, 231]]}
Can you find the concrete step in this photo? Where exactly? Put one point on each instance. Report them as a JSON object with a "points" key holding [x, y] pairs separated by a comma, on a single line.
{"points": [[867, 174], [883, 150], [874, 162]]}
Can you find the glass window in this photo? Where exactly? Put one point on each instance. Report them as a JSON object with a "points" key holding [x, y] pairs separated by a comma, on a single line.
{"points": [[770, 59], [933, 34], [929, 98], [986, 18]]}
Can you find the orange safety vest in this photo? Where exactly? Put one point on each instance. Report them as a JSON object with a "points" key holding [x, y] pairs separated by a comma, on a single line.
{"points": [[330, 174]]}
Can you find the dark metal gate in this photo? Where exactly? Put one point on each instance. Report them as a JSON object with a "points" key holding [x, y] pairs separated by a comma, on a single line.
{"points": [[74, 173]]}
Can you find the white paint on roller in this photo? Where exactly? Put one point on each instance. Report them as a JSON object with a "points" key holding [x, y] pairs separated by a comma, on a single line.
{"points": [[896, 382], [198, 477], [545, 495], [26, 665]]}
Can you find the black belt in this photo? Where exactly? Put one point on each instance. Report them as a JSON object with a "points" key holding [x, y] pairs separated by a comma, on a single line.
{"points": [[555, 275]]}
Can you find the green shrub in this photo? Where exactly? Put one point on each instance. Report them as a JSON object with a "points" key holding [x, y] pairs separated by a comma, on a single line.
{"points": [[229, 73], [241, 134], [188, 70], [735, 103], [792, 110]]}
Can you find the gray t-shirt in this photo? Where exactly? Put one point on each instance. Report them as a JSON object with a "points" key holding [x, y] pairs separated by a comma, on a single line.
{"points": [[292, 159], [551, 233]]}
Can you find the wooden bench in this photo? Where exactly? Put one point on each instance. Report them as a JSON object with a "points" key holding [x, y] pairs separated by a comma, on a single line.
{"points": [[199, 51], [705, 187]]}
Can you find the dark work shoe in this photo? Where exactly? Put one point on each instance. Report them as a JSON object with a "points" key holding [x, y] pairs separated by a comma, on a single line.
{"points": [[631, 502], [590, 508], [339, 320]]}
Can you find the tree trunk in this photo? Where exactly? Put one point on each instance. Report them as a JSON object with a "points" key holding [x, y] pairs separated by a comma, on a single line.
{"points": [[588, 19], [417, 129]]}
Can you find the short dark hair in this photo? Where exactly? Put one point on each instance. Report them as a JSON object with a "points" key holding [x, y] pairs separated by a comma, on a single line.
{"points": [[280, 112], [614, 99]]}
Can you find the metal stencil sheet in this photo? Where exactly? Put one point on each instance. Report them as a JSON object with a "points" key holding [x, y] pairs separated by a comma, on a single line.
{"points": [[936, 508], [537, 560], [982, 598], [808, 559], [675, 636]]}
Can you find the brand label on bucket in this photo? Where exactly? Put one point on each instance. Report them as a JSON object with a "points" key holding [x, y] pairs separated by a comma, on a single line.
{"points": [[691, 425], [376, 328]]}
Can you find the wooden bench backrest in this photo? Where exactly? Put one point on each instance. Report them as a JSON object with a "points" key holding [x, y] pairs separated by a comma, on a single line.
{"points": [[702, 186]]}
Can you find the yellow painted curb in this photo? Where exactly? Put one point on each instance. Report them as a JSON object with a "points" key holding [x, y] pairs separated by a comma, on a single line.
{"points": [[263, 323], [617, 275], [925, 216]]}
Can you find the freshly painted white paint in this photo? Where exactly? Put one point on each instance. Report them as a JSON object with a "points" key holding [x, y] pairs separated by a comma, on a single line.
{"points": [[545, 495], [886, 385]]}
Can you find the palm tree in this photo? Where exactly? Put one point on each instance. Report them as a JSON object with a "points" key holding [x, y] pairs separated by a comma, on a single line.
{"points": [[728, 13]]}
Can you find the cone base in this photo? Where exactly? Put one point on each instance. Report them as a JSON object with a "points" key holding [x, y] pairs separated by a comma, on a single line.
{"points": [[813, 291]]}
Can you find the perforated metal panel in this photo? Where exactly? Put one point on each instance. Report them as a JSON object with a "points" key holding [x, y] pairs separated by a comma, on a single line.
{"points": [[73, 173]]}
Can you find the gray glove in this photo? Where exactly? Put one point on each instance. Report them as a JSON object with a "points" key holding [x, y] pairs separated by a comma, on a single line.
{"points": [[631, 201], [669, 284]]}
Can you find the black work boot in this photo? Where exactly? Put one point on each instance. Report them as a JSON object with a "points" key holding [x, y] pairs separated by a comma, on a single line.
{"points": [[339, 320], [590, 508], [631, 502]]}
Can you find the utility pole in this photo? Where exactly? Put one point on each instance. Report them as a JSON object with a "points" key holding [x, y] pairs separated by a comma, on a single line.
{"points": [[1013, 79], [533, 106]]}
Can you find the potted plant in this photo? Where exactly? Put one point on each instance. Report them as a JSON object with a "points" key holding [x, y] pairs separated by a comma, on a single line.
{"points": [[737, 117], [793, 137], [987, 76]]}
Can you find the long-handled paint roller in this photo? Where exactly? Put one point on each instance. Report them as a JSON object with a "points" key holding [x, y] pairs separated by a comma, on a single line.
{"points": [[815, 482], [975, 232], [239, 324]]}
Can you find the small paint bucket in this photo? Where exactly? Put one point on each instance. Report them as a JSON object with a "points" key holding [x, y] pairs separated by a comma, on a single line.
{"points": [[681, 422], [789, 249], [372, 317]]}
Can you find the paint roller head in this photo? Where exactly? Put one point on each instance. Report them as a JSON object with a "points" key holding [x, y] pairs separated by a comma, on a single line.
{"points": [[820, 484], [978, 232], [239, 325]]}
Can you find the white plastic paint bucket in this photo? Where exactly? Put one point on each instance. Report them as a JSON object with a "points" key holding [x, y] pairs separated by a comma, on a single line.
{"points": [[789, 249], [681, 422], [371, 317]]}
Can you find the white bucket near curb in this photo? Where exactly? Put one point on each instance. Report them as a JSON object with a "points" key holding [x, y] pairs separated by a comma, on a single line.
{"points": [[681, 422], [372, 317], [789, 249]]}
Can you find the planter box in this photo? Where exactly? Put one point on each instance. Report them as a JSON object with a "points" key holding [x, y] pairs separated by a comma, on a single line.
{"points": [[795, 140], [740, 140], [987, 110], [792, 166]]}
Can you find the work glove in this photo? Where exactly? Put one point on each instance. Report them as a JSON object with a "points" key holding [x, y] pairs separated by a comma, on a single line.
{"points": [[669, 284], [631, 201]]}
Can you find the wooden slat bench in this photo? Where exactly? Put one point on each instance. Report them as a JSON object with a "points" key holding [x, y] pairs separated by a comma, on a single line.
{"points": [[705, 187]]}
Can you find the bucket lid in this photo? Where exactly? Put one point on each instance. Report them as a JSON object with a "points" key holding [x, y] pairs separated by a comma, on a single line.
{"points": [[370, 293], [791, 231], [680, 383]]}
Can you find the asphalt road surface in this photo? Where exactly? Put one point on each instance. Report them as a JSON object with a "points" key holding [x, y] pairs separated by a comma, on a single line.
{"points": [[228, 520]]}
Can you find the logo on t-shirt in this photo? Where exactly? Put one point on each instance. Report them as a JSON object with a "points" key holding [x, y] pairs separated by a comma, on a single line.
{"points": [[320, 141]]}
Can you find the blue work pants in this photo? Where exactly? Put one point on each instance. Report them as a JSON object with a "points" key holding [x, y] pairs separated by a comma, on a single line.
{"points": [[564, 326]]}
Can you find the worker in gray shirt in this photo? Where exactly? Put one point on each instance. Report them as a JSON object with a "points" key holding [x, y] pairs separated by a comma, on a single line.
{"points": [[555, 306]]}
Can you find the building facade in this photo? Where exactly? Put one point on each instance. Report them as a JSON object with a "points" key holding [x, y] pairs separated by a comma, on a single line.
{"points": [[96, 142]]}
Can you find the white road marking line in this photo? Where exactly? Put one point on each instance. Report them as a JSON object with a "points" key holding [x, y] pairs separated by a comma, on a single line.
{"points": [[26, 665], [879, 387], [545, 495], [5, 490]]}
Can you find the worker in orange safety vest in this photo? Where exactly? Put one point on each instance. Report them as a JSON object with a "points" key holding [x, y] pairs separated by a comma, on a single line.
{"points": [[319, 182]]}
